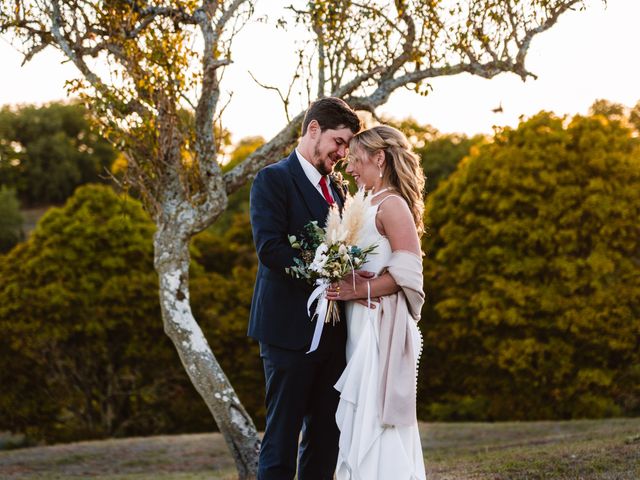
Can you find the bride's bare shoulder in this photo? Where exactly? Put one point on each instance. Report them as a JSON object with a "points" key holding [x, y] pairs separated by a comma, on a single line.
{"points": [[395, 221], [392, 202]]}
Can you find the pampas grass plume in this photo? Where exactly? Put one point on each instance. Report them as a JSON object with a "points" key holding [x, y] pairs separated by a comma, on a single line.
{"points": [[353, 216], [334, 226]]}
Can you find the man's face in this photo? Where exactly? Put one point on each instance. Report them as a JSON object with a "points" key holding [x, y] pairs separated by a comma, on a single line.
{"points": [[330, 147]]}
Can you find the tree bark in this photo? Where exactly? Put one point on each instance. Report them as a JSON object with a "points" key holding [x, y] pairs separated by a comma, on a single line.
{"points": [[235, 424]]}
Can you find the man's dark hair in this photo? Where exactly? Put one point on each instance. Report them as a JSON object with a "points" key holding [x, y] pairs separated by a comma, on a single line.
{"points": [[331, 113]]}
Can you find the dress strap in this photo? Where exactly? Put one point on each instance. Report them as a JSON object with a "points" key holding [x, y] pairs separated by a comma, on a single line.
{"points": [[374, 195], [385, 198]]}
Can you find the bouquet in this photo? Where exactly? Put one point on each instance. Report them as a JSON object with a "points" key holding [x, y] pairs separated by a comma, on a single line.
{"points": [[328, 254]]}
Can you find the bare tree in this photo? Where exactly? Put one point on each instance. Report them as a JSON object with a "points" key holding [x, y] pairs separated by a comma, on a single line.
{"points": [[151, 71]]}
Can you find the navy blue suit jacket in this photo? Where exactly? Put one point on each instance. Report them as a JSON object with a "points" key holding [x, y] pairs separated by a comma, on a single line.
{"points": [[283, 201]]}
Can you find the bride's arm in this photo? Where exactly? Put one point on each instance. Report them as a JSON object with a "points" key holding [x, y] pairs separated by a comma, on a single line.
{"points": [[394, 220]]}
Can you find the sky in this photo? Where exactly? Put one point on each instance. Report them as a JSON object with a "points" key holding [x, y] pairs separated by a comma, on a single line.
{"points": [[586, 56]]}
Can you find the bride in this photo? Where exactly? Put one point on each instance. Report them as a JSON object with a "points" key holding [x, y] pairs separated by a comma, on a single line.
{"points": [[379, 437]]}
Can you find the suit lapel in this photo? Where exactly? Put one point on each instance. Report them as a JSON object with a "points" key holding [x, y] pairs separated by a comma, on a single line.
{"points": [[316, 204]]}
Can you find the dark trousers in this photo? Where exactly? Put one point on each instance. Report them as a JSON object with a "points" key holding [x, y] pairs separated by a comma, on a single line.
{"points": [[300, 397]]}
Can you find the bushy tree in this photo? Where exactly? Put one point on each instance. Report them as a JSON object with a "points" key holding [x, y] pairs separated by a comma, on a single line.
{"points": [[82, 348], [10, 219], [439, 152], [46, 152], [611, 110], [442, 154], [533, 277]]}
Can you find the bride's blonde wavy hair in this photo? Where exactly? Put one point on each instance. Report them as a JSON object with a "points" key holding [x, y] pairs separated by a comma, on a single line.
{"points": [[403, 170]]}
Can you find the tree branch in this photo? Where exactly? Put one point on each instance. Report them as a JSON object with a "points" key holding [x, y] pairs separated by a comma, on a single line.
{"points": [[285, 100], [149, 14], [205, 142], [526, 42], [321, 59], [56, 30], [263, 156], [387, 87], [408, 44], [225, 17]]}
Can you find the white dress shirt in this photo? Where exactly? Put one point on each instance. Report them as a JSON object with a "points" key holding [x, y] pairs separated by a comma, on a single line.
{"points": [[313, 175]]}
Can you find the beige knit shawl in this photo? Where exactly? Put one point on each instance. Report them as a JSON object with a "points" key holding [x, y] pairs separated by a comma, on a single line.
{"points": [[398, 360]]}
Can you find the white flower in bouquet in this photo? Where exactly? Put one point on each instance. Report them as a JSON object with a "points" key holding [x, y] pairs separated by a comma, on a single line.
{"points": [[320, 258], [328, 254]]}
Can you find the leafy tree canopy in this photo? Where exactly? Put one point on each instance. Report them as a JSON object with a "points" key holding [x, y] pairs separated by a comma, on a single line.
{"points": [[533, 278], [82, 346], [46, 152], [440, 153]]}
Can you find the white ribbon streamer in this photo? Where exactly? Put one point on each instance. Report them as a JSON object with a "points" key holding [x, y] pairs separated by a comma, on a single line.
{"points": [[321, 310]]}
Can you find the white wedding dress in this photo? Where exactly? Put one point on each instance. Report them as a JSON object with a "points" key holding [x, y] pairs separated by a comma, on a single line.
{"points": [[369, 450]]}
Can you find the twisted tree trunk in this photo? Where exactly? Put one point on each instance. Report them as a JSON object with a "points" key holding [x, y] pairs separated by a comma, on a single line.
{"points": [[235, 424]]}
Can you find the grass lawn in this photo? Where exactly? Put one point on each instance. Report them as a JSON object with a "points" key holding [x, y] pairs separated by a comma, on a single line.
{"points": [[576, 450]]}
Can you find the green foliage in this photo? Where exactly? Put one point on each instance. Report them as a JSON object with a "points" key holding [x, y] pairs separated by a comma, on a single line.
{"points": [[610, 110], [10, 220], [82, 346], [221, 253], [441, 156], [46, 152], [532, 275]]}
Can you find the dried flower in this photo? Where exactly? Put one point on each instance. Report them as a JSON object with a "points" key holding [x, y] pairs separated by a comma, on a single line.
{"points": [[327, 255]]}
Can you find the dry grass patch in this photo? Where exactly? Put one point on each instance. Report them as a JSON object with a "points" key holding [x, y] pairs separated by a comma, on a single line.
{"points": [[576, 450]]}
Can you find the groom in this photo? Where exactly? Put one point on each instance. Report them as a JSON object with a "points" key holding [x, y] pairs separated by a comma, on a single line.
{"points": [[300, 396]]}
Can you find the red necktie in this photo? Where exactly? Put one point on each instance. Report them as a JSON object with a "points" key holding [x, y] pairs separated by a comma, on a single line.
{"points": [[325, 190]]}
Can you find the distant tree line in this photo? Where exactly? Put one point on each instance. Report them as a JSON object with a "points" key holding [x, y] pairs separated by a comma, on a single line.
{"points": [[531, 274], [46, 152]]}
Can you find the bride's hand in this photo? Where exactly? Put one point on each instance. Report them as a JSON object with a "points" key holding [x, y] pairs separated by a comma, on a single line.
{"points": [[344, 290]]}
